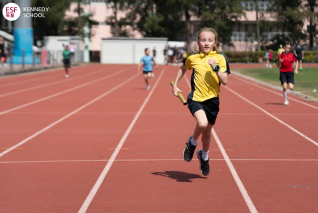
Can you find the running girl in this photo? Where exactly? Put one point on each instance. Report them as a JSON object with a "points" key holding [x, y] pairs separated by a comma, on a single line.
{"points": [[66, 60], [286, 70], [299, 53], [147, 69], [209, 71]]}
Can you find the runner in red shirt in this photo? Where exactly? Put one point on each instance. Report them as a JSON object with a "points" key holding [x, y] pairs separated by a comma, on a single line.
{"points": [[286, 70]]}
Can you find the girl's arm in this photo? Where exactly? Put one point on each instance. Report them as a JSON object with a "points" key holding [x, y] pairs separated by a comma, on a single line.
{"points": [[296, 69], [139, 65], [180, 74], [222, 77]]}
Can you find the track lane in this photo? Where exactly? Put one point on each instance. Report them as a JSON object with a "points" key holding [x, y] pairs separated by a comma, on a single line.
{"points": [[16, 100], [163, 184]]}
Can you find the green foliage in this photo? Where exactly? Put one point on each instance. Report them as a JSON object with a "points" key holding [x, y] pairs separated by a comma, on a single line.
{"points": [[157, 18], [252, 57], [53, 22], [289, 17], [222, 15]]}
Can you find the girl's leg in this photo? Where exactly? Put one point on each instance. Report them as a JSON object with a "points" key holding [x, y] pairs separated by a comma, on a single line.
{"points": [[285, 92], [206, 137], [146, 79], [291, 86], [202, 123], [149, 75], [284, 86], [301, 64]]}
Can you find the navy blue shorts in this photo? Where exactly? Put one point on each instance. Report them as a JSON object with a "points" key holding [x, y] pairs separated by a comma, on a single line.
{"points": [[146, 72], [210, 107], [299, 57], [286, 77]]}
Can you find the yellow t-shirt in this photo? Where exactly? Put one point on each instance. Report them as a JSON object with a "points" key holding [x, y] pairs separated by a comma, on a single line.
{"points": [[280, 51], [204, 82]]}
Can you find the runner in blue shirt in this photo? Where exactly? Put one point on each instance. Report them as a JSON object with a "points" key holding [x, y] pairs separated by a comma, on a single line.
{"points": [[147, 69]]}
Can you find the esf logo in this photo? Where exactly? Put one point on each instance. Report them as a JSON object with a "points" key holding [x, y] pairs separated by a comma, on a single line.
{"points": [[11, 11]]}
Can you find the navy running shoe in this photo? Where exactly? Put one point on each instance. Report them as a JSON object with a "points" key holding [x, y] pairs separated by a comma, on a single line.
{"points": [[204, 165], [189, 150]]}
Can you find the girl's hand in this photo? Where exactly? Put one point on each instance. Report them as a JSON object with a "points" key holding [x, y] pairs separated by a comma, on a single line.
{"points": [[281, 60], [296, 71], [211, 62], [175, 90]]}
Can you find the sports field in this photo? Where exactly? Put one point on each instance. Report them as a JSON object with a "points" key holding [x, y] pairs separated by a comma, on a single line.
{"points": [[99, 142], [306, 81]]}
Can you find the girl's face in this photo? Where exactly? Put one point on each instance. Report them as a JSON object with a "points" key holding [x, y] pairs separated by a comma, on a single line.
{"points": [[287, 49], [206, 41], [147, 52]]}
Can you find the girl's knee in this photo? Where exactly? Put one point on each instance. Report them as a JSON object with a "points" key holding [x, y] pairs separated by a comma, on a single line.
{"points": [[203, 124]]}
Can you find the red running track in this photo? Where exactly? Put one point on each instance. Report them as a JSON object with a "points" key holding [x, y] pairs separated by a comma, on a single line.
{"points": [[102, 143]]}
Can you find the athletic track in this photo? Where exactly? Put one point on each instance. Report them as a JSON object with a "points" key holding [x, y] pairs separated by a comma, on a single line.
{"points": [[99, 142]]}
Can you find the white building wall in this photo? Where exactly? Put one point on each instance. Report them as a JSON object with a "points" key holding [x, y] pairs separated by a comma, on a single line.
{"points": [[130, 50]]}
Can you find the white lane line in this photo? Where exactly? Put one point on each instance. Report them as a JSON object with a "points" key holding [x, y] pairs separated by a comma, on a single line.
{"points": [[264, 88], [237, 179], [280, 121], [146, 160], [43, 77], [60, 93], [102, 176], [48, 84], [66, 116]]}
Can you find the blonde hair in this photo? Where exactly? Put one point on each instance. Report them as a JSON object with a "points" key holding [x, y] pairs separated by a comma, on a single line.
{"points": [[209, 29]]}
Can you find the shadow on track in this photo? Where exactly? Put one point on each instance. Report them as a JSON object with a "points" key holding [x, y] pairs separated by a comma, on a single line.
{"points": [[179, 176], [275, 103]]}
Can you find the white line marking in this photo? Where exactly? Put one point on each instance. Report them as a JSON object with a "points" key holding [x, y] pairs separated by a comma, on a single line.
{"points": [[48, 84], [237, 179], [66, 116], [280, 121], [102, 176], [146, 160], [40, 78], [262, 87], [60, 93]]}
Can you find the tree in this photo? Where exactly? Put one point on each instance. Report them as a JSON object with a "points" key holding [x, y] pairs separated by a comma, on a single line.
{"points": [[289, 17], [157, 18], [257, 26], [119, 25], [53, 22], [222, 15], [313, 18]]}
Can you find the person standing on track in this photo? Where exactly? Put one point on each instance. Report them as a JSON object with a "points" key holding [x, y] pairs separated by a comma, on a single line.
{"points": [[3, 52], [154, 52], [147, 60], [66, 60], [299, 53], [286, 60], [209, 71]]}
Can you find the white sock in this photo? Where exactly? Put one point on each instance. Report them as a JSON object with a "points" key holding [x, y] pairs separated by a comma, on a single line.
{"points": [[205, 155], [285, 95], [194, 142]]}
